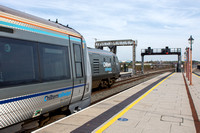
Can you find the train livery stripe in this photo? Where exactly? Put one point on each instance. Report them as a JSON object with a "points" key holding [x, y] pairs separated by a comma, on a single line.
{"points": [[75, 39], [32, 29], [38, 94], [38, 25], [38, 31]]}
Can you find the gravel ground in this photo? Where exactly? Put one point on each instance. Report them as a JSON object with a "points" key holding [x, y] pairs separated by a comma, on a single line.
{"points": [[105, 93]]}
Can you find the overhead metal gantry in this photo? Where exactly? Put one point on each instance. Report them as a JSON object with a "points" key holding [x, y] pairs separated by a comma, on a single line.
{"points": [[162, 51], [112, 45]]}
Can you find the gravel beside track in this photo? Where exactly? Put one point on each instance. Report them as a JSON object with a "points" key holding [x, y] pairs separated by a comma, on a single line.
{"points": [[105, 93]]}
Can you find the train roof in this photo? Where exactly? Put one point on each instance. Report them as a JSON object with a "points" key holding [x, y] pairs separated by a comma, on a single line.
{"points": [[21, 17], [99, 51]]}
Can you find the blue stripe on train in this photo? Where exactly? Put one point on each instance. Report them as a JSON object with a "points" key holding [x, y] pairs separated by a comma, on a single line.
{"points": [[38, 94]]}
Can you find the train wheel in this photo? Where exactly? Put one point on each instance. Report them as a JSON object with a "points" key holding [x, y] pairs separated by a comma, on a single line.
{"points": [[110, 82], [104, 84]]}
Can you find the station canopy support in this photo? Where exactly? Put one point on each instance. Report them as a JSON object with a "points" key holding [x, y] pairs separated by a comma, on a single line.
{"points": [[112, 45]]}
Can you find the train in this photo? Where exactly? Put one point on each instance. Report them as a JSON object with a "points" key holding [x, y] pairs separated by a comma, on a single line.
{"points": [[105, 68], [45, 66]]}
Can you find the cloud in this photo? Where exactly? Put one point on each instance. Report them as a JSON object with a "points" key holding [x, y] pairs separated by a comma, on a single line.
{"points": [[154, 23]]}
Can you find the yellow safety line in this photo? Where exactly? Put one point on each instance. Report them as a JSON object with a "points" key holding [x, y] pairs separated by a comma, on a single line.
{"points": [[129, 107], [196, 75]]}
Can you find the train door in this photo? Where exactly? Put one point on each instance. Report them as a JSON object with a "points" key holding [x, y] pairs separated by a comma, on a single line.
{"points": [[78, 71]]}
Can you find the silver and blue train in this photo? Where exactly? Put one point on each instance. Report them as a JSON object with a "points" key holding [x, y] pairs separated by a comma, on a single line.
{"points": [[45, 66]]}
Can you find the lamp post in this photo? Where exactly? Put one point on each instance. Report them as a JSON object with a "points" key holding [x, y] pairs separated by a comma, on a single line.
{"points": [[187, 63], [190, 40]]}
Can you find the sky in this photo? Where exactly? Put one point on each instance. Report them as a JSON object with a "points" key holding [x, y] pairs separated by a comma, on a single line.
{"points": [[153, 23]]}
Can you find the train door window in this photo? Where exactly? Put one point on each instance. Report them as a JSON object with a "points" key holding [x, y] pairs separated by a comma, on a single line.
{"points": [[110, 59], [113, 58], [78, 60], [54, 62], [18, 62]]}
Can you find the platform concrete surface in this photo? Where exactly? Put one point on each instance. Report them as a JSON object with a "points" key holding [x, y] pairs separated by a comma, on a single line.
{"points": [[165, 109], [121, 73]]}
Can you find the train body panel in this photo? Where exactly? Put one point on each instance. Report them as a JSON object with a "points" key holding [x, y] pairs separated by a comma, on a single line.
{"points": [[44, 66], [105, 67]]}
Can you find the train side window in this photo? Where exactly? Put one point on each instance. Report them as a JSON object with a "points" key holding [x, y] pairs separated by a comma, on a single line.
{"points": [[54, 62], [78, 60], [18, 62]]}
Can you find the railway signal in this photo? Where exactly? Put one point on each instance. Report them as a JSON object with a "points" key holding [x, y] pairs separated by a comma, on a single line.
{"points": [[162, 51]]}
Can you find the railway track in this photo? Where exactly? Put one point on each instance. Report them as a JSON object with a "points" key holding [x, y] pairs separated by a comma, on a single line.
{"points": [[138, 77], [124, 84]]}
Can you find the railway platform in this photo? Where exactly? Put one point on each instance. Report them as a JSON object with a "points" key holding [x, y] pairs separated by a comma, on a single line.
{"points": [[125, 74], [159, 105]]}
